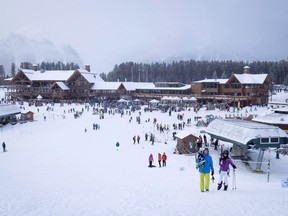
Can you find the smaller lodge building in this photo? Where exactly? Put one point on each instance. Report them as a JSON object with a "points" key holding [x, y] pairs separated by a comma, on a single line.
{"points": [[245, 88]]}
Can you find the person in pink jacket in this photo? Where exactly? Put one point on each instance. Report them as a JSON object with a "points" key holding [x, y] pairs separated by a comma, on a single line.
{"points": [[151, 160]]}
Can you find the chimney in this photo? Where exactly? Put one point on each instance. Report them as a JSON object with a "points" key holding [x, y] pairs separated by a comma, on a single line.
{"points": [[87, 67], [34, 67], [246, 70]]}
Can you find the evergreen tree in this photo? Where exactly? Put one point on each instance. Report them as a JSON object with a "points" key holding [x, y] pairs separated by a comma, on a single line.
{"points": [[214, 76], [223, 75], [2, 74], [13, 69]]}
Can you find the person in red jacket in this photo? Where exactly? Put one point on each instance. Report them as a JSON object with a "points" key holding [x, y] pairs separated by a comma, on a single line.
{"points": [[164, 158]]}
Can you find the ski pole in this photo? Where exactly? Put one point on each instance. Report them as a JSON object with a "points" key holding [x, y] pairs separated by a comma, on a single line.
{"points": [[234, 180]]}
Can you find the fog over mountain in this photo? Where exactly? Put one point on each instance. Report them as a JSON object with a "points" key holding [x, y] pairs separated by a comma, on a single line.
{"points": [[19, 48], [110, 32]]}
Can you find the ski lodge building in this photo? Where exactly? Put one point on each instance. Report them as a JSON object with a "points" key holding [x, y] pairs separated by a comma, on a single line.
{"points": [[83, 84], [245, 88]]}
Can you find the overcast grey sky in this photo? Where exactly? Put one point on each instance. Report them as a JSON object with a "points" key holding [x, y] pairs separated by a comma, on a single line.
{"points": [[109, 32]]}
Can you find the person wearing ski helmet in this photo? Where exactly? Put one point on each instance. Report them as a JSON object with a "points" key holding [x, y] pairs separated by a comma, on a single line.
{"points": [[205, 165], [224, 163]]}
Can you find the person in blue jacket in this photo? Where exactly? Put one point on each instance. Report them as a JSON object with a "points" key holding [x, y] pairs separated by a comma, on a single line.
{"points": [[205, 165]]}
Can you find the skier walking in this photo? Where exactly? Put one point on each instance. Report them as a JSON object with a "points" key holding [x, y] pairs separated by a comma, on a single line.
{"points": [[138, 139], [164, 158], [117, 146], [205, 165], [134, 139], [151, 160], [224, 163], [205, 140], [199, 143], [4, 147], [159, 159]]}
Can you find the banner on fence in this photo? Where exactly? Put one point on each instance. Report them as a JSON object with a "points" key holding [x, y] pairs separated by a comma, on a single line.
{"points": [[284, 182]]}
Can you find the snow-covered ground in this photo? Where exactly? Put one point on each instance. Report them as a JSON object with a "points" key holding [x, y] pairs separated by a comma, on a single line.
{"points": [[54, 167]]}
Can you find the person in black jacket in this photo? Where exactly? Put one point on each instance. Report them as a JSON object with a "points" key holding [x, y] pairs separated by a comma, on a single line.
{"points": [[4, 147]]}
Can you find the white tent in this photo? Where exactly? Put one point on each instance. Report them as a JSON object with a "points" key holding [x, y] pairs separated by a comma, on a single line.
{"points": [[39, 97], [122, 100], [154, 101], [165, 98], [175, 99], [189, 99]]}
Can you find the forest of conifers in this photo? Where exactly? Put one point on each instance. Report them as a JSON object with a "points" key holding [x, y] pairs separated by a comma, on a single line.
{"points": [[191, 70]]}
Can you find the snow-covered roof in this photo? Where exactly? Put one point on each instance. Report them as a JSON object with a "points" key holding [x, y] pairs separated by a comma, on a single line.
{"points": [[221, 81], [151, 86], [183, 134], [243, 131], [272, 118], [132, 86], [9, 109], [60, 75], [251, 78], [105, 86], [91, 77], [57, 75]]}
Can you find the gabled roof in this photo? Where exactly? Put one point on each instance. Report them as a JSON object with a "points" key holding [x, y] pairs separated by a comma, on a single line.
{"points": [[9, 109], [59, 75], [251, 78], [61, 85], [184, 134], [91, 77]]}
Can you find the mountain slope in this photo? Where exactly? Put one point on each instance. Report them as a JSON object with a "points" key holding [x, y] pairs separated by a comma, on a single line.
{"points": [[18, 48]]}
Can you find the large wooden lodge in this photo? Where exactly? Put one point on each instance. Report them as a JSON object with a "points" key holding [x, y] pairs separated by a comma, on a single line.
{"points": [[83, 84]]}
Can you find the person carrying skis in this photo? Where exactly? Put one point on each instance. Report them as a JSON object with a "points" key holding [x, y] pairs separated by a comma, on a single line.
{"points": [[224, 163], [151, 160], [205, 165], [159, 159], [164, 158]]}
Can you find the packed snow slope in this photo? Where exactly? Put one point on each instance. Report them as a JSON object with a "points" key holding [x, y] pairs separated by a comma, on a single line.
{"points": [[53, 167]]}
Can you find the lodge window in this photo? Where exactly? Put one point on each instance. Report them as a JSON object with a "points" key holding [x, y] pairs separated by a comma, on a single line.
{"points": [[268, 140], [274, 139], [264, 140], [209, 85]]}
